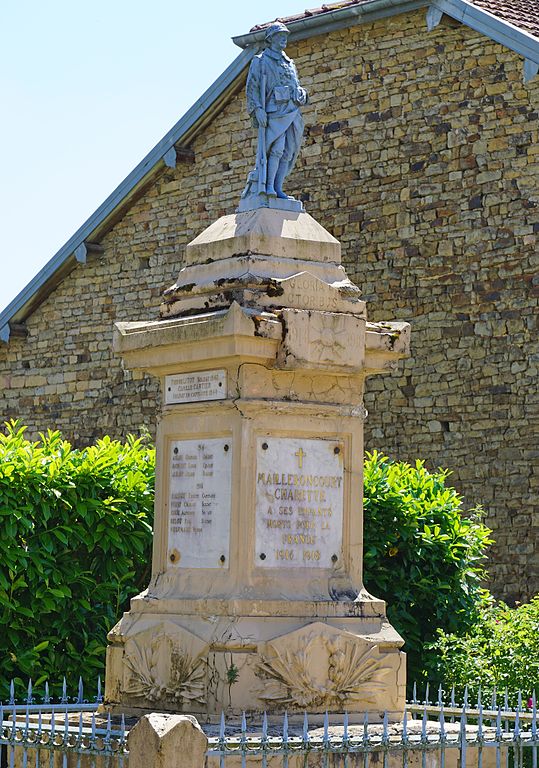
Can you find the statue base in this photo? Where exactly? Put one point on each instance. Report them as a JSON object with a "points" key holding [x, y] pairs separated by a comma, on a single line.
{"points": [[261, 200]]}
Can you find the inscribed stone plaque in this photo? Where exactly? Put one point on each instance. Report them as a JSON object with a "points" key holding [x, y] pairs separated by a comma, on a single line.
{"points": [[200, 502], [299, 502], [191, 387]]}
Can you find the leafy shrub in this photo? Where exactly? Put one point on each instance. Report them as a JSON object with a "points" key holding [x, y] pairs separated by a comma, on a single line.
{"points": [[500, 651], [75, 533], [75, 540], [422, 555]]}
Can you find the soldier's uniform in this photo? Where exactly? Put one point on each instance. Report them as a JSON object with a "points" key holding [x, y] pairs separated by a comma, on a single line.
{"points": [[273, 85]]}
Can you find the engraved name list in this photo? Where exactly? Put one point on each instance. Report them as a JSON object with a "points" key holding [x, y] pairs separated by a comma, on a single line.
{"points": [[199, 502]]}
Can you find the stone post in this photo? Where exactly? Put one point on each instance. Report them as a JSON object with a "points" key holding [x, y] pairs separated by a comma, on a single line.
{"points": [[167, 741], [256, 600]]}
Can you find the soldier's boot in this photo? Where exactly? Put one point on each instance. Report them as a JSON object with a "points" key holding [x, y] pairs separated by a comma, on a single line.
{"points": [[280, 177], [273, 166]]}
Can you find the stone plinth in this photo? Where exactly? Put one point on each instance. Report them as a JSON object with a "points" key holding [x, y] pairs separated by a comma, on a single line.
{"points": [[256, 599], [263, 259]]}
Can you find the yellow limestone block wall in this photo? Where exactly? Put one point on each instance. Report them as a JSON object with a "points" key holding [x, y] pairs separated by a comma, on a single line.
{"points": [[422, 156]]}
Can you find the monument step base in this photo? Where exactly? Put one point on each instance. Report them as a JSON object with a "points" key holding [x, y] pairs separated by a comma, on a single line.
{"points": [[364, 607], [209, 665], [253, 718], [252, 202]]}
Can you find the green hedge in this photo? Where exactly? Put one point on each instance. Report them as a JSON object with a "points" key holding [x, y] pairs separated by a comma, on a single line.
{"points": [[422, 555], [75, 533]]}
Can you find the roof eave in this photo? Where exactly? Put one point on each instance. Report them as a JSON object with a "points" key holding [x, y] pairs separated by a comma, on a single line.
{"points": [[339, 18], [467, 13], [492, 26]]}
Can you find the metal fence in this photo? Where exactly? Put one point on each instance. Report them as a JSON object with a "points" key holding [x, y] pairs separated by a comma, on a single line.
{"points": [[69, 732], [62, 703], [46, 732], [408, 743], [433, 734]]}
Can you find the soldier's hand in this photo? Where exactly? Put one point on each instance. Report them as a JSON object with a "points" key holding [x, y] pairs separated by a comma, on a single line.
{"points": [[301, 96], [261, 117]]}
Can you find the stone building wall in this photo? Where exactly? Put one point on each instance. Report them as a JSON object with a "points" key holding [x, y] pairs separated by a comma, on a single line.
{"points": [[422, 157]]}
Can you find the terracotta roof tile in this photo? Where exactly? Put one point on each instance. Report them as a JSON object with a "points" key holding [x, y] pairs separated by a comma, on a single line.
{"points": [[522, 13], [325, 8]]}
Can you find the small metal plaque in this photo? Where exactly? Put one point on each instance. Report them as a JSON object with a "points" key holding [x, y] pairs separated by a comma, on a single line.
{"points": [[299, 502], [200, 503], [192, 387]]}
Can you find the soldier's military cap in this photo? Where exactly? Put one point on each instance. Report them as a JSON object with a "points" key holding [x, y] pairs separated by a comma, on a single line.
{"points": [[274, 28]]}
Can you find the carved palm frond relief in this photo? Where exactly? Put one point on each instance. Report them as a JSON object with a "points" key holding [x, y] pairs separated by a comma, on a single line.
{"points": [[162, 667], [322, 670]]}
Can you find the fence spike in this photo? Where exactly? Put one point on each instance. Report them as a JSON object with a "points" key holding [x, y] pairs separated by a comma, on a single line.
{"points": [[385, 728], [108, 735], [99, 697], [516, 731], [440, 695], [519, 702], [534, 716], [92, 731], [493, 701], [80, 692], [285, 728], [427, 694], [465, 699], [305, 727], [479, 698], [46, 698], [222, 727], [265, 727], [29, 697], [11, 701], [79, 739], [414, 694], [122, 729], [463, 736], [366, 728], [506, 701], [345, 727], [441, 720], [63, 700], [405, 727], [480, 724], [326, 728]]}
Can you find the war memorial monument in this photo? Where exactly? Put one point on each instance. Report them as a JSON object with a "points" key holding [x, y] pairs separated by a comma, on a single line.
{"points": [[262, 349]]}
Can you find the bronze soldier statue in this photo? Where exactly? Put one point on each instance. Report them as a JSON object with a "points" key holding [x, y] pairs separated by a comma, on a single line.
{"points": [[274, 98]]}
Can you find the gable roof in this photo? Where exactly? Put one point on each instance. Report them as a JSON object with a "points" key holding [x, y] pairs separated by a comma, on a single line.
{"points": [[523, 14], [513, 23]]}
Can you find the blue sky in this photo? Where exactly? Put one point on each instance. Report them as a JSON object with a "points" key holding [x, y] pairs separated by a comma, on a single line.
{"points": [[87, 89]]}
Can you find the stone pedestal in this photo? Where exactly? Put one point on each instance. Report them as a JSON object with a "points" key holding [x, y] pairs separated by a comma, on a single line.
{"points": [[256, 599]]}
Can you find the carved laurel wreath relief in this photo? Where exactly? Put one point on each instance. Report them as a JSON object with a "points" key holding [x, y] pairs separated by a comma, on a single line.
{"points": [[321, 669], [166, 663]]}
